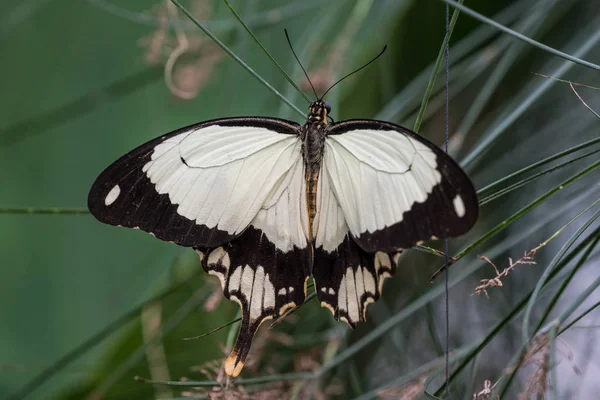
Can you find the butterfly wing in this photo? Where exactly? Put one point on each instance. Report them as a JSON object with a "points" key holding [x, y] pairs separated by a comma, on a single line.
{"points": [[234, 190], [383, 189], [394, 187], [200, 185], [266, 269]]}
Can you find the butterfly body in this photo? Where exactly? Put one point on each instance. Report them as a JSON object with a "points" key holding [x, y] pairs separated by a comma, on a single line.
{"points": [[268, 202], [312, 135]]}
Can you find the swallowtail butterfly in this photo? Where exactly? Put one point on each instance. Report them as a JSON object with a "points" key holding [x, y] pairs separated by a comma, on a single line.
{"points": [[267, 203]]}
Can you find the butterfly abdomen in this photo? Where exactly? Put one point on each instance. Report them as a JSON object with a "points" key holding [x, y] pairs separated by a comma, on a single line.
{"points": [[311, 196], [313, 143]]}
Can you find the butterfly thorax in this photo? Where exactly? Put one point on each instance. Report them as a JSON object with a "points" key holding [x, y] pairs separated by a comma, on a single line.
{"points": [[313, 143]]}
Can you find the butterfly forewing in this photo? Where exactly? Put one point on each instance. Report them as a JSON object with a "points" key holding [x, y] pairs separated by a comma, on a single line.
{"points": [[201, 185], [394, 187]]}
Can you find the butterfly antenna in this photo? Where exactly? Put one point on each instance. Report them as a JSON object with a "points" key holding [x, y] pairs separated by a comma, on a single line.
{"points": [[353, 72], [297, 59]]}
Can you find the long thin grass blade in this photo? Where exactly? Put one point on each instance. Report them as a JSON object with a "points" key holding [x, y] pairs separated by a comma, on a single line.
{"points": [[505, 121], [537, 164], [525, 181], [269, 56], [301, 376], [565, 283], [575, 59], [435, 71], [548, 270]]}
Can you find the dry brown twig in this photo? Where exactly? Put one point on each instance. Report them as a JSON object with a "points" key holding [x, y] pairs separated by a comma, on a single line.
{"points": [[538, 354], [486, 392], [527, 259], [581, 99]]}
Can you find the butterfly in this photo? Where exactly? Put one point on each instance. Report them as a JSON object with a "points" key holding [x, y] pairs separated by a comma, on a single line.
{"points": [[267, 202]]}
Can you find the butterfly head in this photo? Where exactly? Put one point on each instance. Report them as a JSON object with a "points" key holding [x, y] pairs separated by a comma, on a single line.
{"points": [[318, 111]]}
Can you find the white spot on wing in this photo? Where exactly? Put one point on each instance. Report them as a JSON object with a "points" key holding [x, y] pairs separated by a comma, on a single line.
{"points": [[459, 206], [331, 291], [112, 195], [282, 292]]}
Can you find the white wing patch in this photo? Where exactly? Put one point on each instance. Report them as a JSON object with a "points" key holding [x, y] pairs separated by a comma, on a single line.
{"points": [[221, 176], [219, 257], [350, 279], [329, 226], [383, 267], [283, 217], [377, 175], [357, 290], [254, 289]]}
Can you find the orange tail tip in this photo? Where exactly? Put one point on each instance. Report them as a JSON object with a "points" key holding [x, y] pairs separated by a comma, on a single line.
{"points": [[233, 365]]}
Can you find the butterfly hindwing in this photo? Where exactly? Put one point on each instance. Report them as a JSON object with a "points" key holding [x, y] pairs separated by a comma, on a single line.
{"points": [[348, 279], [201, 185], [262, 279], [394, 187]]}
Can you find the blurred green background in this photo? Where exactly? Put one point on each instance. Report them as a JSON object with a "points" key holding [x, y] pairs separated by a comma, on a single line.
{"points": [[83, 82]]}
